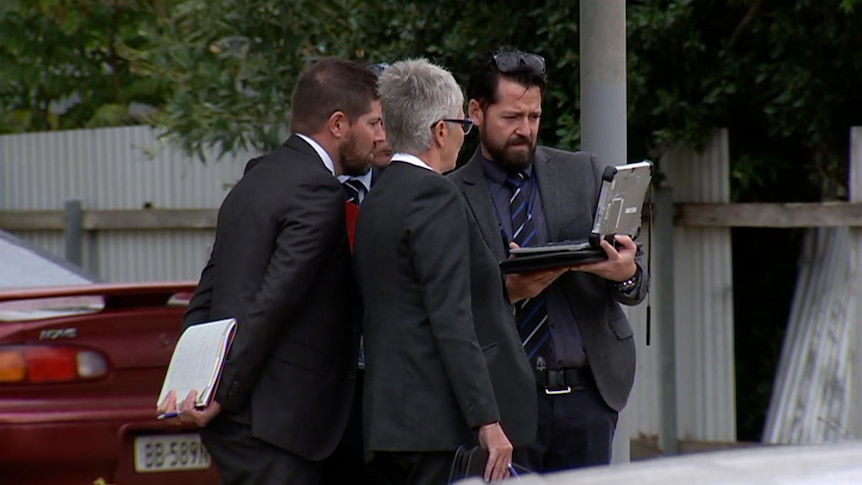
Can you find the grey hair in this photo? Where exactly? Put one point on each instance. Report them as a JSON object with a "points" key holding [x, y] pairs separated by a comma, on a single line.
{"points": [[416, 94]]}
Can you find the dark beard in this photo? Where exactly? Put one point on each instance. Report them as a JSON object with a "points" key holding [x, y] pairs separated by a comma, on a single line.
{"points": [[511, 163], [351, 163]]}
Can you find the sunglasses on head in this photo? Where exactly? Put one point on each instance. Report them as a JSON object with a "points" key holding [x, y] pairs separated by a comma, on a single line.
{"points": [[511, 61]]}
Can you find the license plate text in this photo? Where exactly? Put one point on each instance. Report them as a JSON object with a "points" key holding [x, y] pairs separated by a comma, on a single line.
{"points": [[170, 452]]}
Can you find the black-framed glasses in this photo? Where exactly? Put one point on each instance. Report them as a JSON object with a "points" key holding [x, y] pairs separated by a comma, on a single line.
{"points": [[378, 68], [510, 61], [466, 123]]}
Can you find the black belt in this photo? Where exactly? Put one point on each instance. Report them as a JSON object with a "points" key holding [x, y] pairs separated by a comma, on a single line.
{"points": [[564, 381]]}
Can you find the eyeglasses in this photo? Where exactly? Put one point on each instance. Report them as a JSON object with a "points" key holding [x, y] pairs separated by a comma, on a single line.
{"points": [[510, 61], [378, 68], [466, 123]]}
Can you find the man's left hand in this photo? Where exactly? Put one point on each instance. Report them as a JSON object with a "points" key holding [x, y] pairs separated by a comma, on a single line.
{"points": [[200, 417], [494, 439], [620, 264]]}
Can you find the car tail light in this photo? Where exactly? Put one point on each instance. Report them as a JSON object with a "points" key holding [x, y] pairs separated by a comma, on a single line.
{"points": [[45, 364]]}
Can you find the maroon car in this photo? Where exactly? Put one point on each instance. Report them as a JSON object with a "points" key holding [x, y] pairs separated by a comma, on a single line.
{"points": [[80, 371]]}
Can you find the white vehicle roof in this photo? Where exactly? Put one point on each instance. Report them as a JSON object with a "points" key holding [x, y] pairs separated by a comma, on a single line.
{"points": [[828, 464], [24, 266]]}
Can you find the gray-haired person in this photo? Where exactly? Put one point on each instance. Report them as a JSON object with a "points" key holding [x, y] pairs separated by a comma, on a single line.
{"points": [[444, 365]]}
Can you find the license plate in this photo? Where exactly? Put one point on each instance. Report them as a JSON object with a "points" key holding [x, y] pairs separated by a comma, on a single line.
{"points": [[170, 452]]}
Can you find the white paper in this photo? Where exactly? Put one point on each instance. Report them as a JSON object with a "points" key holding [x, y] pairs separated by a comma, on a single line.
{"points": [[197, 361]]}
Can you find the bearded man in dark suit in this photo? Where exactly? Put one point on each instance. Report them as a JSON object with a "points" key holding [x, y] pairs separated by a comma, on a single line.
{"points": [[281, 266], [577, 337]]}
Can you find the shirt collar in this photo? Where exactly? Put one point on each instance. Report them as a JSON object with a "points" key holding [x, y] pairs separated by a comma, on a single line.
{"points": [[321, 152], [411, 159]]}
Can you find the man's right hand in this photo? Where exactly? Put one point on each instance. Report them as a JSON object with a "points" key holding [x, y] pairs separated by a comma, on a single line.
{"points": [[493, 438], [169, 409]]}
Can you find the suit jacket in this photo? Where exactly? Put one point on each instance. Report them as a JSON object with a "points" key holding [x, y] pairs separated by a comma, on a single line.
{"points": [[569, 186], [281, 265], [199, 305], [436, 369]]}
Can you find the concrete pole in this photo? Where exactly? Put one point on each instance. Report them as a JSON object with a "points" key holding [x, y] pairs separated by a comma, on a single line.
{"points": [[603, 110], [603, 79], [662, 251], [3, 157], [856, 284]]}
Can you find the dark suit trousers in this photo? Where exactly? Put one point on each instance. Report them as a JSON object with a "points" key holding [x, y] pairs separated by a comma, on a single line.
{"points": [[243, 459], [576, 430], [406, 468]]}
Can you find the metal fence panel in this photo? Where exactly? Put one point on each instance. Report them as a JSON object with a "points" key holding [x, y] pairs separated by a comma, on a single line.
{"points": [[703, 296], [117, 168]]}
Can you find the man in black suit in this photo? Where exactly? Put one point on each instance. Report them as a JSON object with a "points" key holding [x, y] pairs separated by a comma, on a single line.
{"points": [[281, 266], [347, 464], [444, 366], [576, 335]]}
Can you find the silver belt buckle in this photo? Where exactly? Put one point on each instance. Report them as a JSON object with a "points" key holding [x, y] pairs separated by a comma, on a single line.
{"points": [[563, 390]]}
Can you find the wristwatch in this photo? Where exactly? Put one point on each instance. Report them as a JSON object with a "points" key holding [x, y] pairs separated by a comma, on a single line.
{"points": [[629, 284]]}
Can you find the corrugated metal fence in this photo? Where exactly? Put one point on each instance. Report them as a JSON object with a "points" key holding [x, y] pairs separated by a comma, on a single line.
{"points": [[117, 168], [702, 299], [703, 290]]}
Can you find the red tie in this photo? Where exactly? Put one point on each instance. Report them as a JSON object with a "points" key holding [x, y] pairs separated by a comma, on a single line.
{"points": [[351, 213]]}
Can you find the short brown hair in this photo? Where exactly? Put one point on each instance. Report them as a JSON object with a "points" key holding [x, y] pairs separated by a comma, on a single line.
{"points": [[327, 86]]}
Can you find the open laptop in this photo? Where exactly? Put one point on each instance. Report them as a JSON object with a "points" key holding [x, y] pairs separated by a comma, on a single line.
{"points": [[618, 211]]}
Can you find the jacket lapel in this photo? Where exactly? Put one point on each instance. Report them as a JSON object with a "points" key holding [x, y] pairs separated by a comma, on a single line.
{"points": [[547, 173], [478, 197], [561, 199]]}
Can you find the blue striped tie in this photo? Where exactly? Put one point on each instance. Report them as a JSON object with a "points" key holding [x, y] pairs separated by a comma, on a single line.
{"points": [[353, 190], [532, 313]]}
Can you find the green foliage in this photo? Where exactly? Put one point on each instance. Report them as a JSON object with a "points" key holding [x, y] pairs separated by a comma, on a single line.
{"points": [[219, 73], [232, 66], [60, 66], [780, 75]]}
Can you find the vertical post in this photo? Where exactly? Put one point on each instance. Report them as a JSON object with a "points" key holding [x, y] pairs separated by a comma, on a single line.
{"points": [[603, 110], [603, 79], [3, 157], [855, 286], [662, 251], [74, 231]]}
